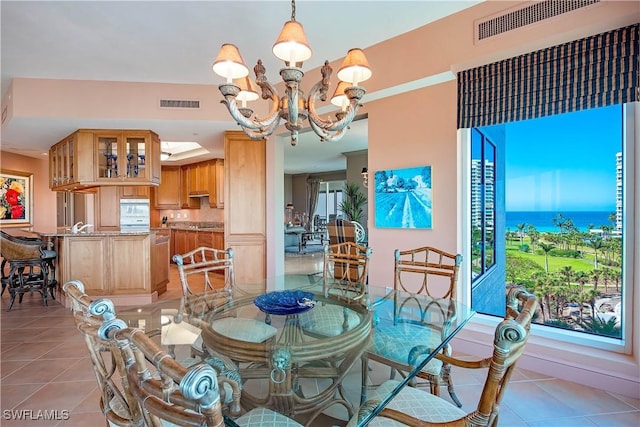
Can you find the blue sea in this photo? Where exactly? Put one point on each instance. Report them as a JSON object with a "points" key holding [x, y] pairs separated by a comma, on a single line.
{"points": [[543, 220]]}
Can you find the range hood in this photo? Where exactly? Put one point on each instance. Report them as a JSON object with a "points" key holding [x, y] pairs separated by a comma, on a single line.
{"points": [[199, 195]]}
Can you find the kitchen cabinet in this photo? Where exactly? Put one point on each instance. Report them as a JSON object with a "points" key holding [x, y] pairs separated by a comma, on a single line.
{"points": [[216, 195], [107, 206], [167, 194], [184, 240], [116, 264], [206, 179], [91, 157], [187, 202], [211, 239]]}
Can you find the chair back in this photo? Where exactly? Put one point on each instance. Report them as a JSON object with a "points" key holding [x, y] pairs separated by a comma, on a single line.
{"points": [[14, 248], [196, 269], [426, 270], [346, 271], [116, 402], [342, 230], [509, 341], [181, 396]]}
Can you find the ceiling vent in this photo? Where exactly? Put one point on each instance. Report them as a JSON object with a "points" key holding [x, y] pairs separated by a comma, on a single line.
{"points": [[527, 14], [179, 103]]}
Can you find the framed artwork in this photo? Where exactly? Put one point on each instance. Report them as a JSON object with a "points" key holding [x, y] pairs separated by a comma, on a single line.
{"points": [[16, 198], [402, 198]]}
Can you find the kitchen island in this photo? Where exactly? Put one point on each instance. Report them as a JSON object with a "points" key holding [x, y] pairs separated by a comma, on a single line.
{"points": [[129, 268]]}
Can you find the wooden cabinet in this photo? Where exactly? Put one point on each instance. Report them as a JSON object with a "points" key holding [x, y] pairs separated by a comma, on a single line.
{"points": [[92, 157], [167, 194], [211, 239], [108, 265], [107, 206], [187, 202], [184, 241], [216, 184]]}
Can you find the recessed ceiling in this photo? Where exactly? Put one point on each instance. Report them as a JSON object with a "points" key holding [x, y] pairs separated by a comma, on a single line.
{"points": [[176, 42]]}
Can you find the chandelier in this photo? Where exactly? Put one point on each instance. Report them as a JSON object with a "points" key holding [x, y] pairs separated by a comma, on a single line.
{"points": [[292, 48]]}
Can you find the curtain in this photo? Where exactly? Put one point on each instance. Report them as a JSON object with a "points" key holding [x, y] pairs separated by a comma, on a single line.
{"points": [[596, 71], [313, 189]]}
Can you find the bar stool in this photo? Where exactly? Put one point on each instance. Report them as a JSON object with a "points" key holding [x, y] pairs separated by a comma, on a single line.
{"points": [[30, 267]]}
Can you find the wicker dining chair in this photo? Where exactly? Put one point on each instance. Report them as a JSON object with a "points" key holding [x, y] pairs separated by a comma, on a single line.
{"points": [[208, 281], [181, 396], [428, 271], [116, 402], [414, 407]]}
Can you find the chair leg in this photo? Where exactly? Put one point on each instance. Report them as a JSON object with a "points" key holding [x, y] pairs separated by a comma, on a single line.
{"points": [[446, 377]]}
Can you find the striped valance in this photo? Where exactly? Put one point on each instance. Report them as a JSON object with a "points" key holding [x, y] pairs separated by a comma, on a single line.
{"points": [[592, 72]]}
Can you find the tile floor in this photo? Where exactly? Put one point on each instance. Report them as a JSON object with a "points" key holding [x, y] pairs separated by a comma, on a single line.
{"points": [[44, 366]]}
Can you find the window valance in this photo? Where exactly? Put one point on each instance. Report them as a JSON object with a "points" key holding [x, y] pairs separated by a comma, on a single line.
{"points": [[596, 71]]}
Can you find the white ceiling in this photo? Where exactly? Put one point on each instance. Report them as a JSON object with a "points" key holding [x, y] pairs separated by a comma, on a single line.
{"points": [[176, 42]]}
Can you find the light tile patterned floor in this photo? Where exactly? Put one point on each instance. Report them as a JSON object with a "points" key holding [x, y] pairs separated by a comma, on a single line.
{"points": [[44, 366]]}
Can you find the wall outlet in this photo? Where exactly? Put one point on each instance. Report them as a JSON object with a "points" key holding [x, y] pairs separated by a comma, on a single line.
{"points": [[171, 215], [186, 215], [178, 215]]}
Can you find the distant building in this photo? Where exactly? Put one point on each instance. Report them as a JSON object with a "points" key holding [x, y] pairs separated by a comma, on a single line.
{"points": [[482, 185]]}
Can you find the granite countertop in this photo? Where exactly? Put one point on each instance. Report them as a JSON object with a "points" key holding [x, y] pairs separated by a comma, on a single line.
{"points": [[65, 232], [193, 225]]}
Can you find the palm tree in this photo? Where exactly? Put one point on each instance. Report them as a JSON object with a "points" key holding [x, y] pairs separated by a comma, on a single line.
{"points": [[533, 234], [546, 247], [595, 275], [595, 244], [600, 326], [520, 228], [582, 278], [566, 273]]}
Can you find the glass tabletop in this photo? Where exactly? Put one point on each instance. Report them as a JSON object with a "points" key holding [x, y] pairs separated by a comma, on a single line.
{"points": [[388, 316]]}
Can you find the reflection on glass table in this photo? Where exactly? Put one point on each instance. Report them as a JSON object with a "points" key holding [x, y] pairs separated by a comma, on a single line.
{"points": [[277, 369]]}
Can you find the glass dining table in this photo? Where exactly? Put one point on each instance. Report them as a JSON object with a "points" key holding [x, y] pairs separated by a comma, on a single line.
{"points": [[294, 347]]}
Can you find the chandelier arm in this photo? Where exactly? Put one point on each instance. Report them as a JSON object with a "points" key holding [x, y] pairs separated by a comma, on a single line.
{"points": [[246, 122], [292, 99], [327, 136], [329, 124], [262, 132], [268, 91]]}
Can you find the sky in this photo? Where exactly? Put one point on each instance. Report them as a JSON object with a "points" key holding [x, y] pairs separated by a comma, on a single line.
{"points": [[564, 162]]}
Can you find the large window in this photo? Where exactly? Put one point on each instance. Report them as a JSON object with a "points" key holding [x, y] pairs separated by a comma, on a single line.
{"points": [[556, 218]]}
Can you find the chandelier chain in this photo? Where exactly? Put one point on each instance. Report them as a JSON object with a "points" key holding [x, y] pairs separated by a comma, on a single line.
{"points": [[293, 10]]}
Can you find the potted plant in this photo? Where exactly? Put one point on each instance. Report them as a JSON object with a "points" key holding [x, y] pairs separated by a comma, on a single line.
{"points": [[353, 202]]}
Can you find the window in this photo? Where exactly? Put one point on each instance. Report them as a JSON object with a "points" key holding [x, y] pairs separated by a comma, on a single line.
{"points": [[329, 199], [554, 193]]}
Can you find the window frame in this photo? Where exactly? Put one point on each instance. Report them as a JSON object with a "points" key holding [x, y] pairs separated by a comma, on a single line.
{"points": [[631, 243]]}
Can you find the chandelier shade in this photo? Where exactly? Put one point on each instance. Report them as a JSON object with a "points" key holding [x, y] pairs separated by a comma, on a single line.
{"points": [[292, 46], [293, 108], [355, 68], [229, 63]]}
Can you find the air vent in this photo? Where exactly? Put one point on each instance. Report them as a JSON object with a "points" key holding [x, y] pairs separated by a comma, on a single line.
{"points": [[179, 103], [526, 15]]}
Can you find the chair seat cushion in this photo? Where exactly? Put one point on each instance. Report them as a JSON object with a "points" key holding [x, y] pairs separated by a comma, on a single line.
{"points": [[395, 343], [259, 417], [414, 402], [328, 320], [249, 330]]}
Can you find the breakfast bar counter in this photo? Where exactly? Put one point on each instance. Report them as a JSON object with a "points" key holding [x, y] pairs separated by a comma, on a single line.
{"points": [[129, 268]]}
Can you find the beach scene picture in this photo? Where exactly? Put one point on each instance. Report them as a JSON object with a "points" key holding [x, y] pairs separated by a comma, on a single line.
{"points": [[403, 198], [563, 203]]}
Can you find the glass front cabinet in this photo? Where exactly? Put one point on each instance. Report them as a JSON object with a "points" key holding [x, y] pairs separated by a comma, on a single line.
{"points": [[105, 157]]}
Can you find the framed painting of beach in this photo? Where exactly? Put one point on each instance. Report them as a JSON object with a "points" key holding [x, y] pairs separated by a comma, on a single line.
{"points": [[402, 198], [16, 198]]}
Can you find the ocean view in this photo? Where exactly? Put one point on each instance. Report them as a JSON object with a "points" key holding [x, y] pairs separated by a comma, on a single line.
{"points": [[543, 220]]}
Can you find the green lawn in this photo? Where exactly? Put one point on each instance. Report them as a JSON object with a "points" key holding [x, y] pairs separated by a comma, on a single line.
{"points": [[555, 263]]}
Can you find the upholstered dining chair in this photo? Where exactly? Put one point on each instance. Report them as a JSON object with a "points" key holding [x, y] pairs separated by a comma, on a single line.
{"points": [[342, 230], [414, 407], [181, 396], [116, 402], [208, 281], [429, 271], [345, 277]]}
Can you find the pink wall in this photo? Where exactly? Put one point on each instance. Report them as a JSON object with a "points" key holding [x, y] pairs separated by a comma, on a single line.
{"points": [[407, 131], [44, 200]]}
